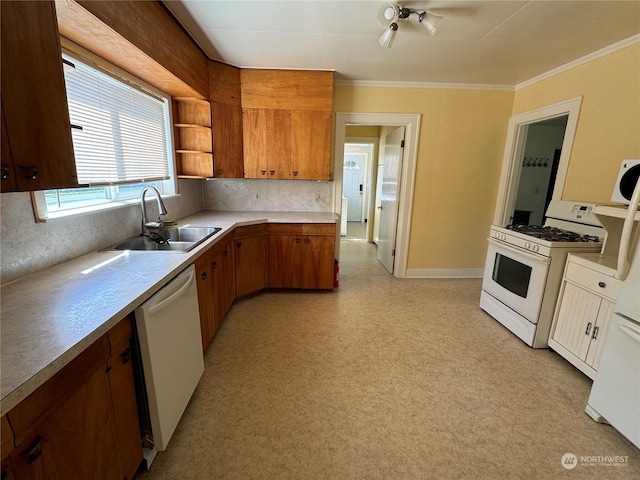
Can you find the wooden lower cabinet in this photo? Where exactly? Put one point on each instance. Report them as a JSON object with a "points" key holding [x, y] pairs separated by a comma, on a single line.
{"points": [[224, 280], [81, 423], [215, 271], [251, 259], [301, 255], [204, 277]]}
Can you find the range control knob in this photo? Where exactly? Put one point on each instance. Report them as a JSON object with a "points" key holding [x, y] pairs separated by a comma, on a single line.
{"points": [[536, 248], [527, 245]]}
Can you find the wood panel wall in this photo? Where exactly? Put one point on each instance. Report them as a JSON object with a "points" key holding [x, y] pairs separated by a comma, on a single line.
{"points": [[140, 37]]}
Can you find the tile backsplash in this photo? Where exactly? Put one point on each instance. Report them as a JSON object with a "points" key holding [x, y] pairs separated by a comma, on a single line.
{"points": [[27, 246], [268, 195]]}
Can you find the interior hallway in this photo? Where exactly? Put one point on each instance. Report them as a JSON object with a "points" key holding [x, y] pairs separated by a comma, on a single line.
{"points": [[383, 379]]}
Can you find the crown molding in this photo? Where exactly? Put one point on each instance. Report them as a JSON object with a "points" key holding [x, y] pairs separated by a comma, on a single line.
{"points": [[440, 86], [603, 52]]}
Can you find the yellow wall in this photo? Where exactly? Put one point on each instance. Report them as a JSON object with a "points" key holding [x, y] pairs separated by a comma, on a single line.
{"points": [[362, 131], [462, 140], [609, 123]]}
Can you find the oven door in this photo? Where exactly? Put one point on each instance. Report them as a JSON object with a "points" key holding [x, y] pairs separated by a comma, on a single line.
{"points": [[516, 277]]}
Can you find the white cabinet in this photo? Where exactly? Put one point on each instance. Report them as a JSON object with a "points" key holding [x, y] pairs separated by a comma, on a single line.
{"points": [[584, 311]]}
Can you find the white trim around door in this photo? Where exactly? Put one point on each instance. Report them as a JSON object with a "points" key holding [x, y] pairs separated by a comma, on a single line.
{"points": [[411, 122], [514, 148]]}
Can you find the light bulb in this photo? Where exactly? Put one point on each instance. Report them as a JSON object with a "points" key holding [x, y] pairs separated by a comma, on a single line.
{"points": [[430, 21]]}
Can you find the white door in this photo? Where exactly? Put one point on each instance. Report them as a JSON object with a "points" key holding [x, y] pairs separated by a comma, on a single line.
{"points": [[378, 204], [353, 184], [389, 197]]}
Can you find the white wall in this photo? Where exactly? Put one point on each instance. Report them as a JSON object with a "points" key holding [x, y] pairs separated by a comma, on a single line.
{"points": [[28, 246]]}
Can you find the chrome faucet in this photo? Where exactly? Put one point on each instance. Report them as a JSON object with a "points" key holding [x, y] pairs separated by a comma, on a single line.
{"points": [[146, 224]]}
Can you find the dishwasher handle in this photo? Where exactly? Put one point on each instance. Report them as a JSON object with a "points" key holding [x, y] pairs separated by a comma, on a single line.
{"points": [[188, 280]]}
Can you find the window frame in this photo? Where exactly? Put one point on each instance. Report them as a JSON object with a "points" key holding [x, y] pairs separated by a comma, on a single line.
{"points": [[169, 186]]}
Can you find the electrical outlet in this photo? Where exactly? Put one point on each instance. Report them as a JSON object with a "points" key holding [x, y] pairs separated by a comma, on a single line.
{"points": [[318, 197]]}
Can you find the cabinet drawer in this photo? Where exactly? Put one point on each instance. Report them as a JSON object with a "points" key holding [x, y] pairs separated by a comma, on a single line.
{"points": [[597, 282], [319, 229], [285, 228], [251, 231]]}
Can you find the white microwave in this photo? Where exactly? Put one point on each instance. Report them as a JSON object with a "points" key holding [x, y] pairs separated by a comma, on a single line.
{"points": [[628, 176]]}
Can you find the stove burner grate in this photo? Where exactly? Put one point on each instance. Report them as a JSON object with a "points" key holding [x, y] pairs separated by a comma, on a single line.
{"points": [[552, 234]]}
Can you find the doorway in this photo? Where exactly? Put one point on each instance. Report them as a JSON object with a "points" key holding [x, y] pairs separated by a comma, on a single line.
{"points": [[411, 123], [540, 161], [359, 158], [514, 177]]}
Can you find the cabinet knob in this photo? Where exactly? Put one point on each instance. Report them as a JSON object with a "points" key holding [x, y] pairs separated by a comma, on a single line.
{"points": [[263, 172], [297, 240], [602, 284], [214, 264], [5, 172], [295, 173], [31, 172], [126, 355], [595, 333], [271, 172], [203, 275], [306, 240], [219, 172], [238, 244], [225, 253], [586, 332], [33, 451]]}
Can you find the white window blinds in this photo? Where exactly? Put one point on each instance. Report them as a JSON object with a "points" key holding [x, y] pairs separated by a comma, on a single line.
{"points": [[119, 132]]}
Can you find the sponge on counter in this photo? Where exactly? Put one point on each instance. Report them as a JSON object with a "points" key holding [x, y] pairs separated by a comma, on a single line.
{"points": [[170, 224]]}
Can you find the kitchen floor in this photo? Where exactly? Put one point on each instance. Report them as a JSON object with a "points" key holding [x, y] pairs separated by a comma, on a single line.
{"points": [[384, 379]]}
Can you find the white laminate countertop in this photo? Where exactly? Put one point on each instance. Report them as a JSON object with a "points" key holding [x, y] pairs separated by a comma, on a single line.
{"points": [[51, 316]]}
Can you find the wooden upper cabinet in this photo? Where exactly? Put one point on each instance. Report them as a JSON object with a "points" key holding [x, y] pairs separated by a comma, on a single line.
{"points": [[296, 106], [278, 144], [34, 100], [310, 145], [287, 89], [254, 133], [8, 174], [226, 117]]}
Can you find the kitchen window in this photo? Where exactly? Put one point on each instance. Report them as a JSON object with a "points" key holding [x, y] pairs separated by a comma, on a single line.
{"points": [[121, 140]]}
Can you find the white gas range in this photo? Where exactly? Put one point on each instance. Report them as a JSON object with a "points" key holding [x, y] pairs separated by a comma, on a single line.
{"points": [[524, 267]]}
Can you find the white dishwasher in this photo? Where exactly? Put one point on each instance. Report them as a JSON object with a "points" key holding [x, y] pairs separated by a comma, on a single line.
{"points": [[168, 327]]}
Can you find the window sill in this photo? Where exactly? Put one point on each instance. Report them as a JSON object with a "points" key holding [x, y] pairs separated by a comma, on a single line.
{"points": [[103, 207]]}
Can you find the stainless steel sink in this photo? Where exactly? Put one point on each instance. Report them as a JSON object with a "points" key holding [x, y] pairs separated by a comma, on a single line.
{"points": [[179, 239]]}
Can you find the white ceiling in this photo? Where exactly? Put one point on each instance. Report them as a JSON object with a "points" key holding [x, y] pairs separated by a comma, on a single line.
{"points": [[501, 43]]}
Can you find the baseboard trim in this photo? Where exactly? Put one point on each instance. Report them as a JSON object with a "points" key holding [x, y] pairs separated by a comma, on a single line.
{"points": [[444, 272]]}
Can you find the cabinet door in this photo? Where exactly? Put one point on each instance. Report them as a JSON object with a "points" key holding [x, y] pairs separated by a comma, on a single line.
{"points": [[75, 440], [599, 334], [254, 134], [34, 97], [284, 261], [317, 262], [576, 319], [251, 265], [227, 140], [204, 277], [123, 396], [310, 144], [8, 174], [279, 144]]}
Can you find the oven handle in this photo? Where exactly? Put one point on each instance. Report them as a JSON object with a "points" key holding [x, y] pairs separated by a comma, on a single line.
{"points": [[518, 251]]}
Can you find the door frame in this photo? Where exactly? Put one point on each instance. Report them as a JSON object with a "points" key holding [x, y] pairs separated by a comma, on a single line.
{"points": [[514, 150], [411, 122]]}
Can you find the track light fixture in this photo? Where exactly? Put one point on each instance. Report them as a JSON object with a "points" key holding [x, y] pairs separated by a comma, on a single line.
{"points": [[389, 15]]}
